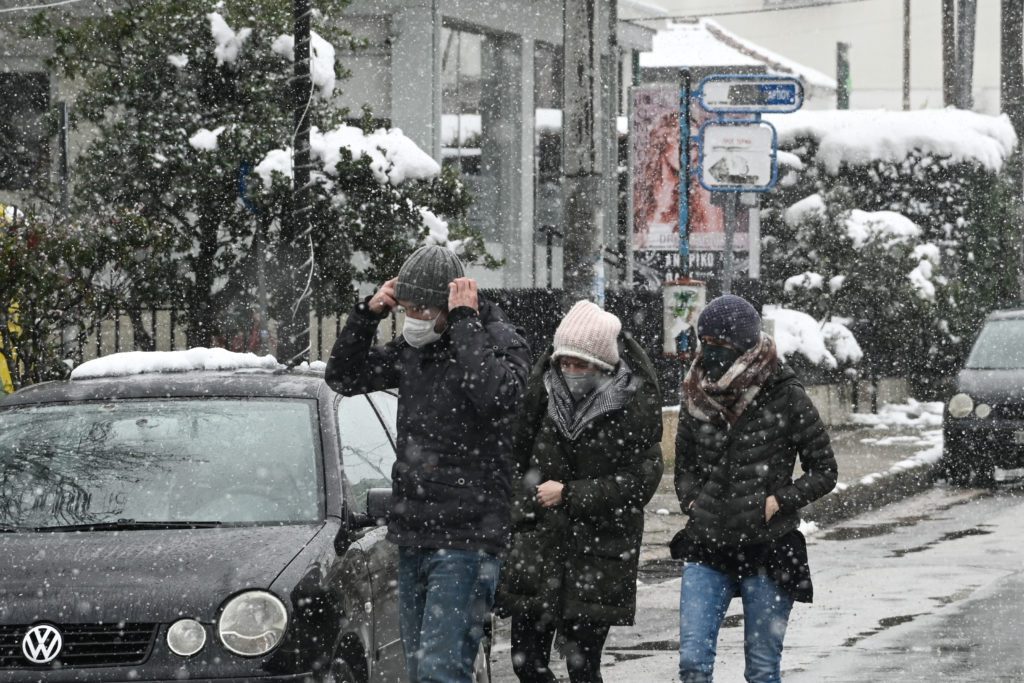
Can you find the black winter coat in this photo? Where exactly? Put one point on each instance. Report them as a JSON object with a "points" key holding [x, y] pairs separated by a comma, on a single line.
{"points": [[578, 560], [456, 411], [729, 473]]}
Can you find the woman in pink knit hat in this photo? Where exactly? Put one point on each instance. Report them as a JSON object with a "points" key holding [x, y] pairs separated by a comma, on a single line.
{"points": [[588, 458]]}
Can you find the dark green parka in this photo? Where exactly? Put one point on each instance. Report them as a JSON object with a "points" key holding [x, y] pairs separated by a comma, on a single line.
{"points": [[728, 474], [578, 561]]}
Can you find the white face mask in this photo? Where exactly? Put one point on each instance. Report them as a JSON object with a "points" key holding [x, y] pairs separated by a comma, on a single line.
{"points": [[419, 333]]}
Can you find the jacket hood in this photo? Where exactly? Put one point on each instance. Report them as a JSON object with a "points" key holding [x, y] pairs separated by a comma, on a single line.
{"points": [[139, 576]]}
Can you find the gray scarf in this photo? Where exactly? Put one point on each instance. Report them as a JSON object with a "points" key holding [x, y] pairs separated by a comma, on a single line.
{"points": [[571, 417]]}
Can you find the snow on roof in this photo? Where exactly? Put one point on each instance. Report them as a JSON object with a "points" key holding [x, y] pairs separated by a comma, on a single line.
{"points": [[859, 137], [640, 8], [146, 362], [704, 42], [827, 344]]}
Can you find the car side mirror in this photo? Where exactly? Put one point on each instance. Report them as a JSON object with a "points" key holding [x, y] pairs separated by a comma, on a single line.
{"points": [[378, 505]]}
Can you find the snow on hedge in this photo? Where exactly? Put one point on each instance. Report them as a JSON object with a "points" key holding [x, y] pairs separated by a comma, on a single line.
{"points": [[829, 344], [890, 227], [807, 280], [205, 140], [148, 362], [796, 214], [860, 137]]}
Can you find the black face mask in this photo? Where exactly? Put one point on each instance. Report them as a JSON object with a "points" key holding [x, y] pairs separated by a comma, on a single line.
{"points": [[716, 360]]}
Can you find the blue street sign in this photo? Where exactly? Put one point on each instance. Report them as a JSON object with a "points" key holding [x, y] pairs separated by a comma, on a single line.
{"points": [[750, 94]]}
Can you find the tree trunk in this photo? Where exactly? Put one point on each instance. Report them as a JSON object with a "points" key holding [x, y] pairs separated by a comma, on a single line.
{"points": [[967, 14]]}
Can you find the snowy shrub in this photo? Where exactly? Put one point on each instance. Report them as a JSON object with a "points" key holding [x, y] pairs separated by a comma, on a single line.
{"points": [[899, 222], [186, 109]]}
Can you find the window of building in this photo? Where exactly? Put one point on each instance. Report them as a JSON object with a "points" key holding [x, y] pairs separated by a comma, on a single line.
{"points": [[25, 150]]}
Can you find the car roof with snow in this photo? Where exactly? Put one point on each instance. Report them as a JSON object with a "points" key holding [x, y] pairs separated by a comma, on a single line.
{"points": [[196, 372]]}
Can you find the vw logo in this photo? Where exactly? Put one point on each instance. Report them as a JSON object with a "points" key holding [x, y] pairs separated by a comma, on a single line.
{"points": [[41, 644]]}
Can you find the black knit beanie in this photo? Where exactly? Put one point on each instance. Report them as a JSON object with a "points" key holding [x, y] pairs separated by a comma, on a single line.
{"points": [[423, 278], [732, 319]]}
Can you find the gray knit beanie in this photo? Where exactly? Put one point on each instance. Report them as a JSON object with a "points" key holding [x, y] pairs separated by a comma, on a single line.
{"points": [[423, 278]]}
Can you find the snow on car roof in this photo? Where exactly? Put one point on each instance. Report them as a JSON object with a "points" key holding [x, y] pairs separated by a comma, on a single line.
{"points": [[199, 358]]}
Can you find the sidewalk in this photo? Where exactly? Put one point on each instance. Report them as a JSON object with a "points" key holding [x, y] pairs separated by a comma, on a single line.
{"points": [[881, 458]]}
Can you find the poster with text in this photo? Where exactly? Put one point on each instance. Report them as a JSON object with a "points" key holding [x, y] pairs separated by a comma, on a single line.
{"points": [[706, 224]]}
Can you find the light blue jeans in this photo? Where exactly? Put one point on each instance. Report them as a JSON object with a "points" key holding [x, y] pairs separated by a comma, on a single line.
{"points": [[703, 600], [445, 598]]}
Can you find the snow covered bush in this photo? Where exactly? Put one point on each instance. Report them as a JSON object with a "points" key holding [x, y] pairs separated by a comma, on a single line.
{"points": [[900, 222], [185, 106]]}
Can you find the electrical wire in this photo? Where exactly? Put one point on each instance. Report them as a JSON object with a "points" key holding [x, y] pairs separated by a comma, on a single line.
{"points": [[28, 8]]}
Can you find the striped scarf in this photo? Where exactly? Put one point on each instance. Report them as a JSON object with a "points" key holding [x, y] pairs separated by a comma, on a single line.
{"points": [[572, 418], [724, 401]]}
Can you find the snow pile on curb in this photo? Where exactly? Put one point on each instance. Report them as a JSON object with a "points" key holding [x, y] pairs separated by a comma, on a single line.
{"points": [[910, 415], [146, 362]]}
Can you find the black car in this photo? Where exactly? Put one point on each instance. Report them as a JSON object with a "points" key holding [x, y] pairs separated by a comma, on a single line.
{"points": [[197, 526], [983, 423]]}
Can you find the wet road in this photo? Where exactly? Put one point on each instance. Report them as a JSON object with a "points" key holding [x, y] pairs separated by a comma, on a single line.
{"points": [[929, 588]]}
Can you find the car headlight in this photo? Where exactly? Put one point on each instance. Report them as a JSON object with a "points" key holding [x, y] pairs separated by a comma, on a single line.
{"points": [[961, 405], [252, 623], [983, 410], [186, 637]]}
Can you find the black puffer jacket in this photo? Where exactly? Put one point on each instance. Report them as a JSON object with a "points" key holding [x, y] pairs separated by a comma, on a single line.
{"points": [[456, 411], [729, 473], [578, 560]]}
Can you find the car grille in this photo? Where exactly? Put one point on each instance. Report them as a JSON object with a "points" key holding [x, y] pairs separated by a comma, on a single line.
{"points": [[84, 645]]}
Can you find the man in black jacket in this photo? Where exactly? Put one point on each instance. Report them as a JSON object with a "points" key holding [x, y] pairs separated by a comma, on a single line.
{"points": [[460, 367]]}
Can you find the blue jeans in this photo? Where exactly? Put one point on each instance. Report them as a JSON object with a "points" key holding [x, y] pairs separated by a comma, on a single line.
{"points": [[445, 597], [703, 600]]}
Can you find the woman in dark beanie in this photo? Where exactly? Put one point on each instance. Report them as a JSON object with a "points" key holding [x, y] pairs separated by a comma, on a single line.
{"points": [[744, 422], [588, 458]]}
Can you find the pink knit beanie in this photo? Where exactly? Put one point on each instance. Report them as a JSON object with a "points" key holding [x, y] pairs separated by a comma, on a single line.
{"points": [[589, 333]]}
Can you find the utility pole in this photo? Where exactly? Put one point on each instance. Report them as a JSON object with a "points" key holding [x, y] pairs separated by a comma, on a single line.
{"points": [[949, 53], [967, 13], [906, 55], [584, 25], [842, 75], [297, 258]]}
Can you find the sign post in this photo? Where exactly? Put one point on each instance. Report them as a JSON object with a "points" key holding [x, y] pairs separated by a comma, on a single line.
{"points": [[738, 154]]}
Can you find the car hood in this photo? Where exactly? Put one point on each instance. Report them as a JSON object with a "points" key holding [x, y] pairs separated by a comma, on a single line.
{"points": [[992, 386], [139, 575]]}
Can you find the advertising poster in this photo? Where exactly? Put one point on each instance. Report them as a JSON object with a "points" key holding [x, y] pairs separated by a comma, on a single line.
{"points": [[655, 155]]}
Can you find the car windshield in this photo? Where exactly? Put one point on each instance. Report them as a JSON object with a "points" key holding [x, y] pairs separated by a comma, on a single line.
{"points": [[1000, 346], [243, 461]]}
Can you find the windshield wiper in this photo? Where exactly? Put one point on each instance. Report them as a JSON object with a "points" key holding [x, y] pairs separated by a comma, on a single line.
{"points": [[131, 524]]}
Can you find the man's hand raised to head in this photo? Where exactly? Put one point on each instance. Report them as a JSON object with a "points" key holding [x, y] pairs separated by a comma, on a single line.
{"points": [[384, 300], [462, 292]]}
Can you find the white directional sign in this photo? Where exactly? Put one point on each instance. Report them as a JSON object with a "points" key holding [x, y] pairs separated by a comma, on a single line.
{"points": [[737, 156], [750, 94]]}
